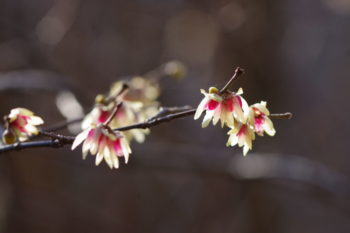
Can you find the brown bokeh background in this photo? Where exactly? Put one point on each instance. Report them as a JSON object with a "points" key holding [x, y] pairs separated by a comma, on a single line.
{"points": [[183, 179]]}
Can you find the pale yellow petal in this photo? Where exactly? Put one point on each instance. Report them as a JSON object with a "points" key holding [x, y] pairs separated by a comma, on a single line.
{"points": [[240, 91], [232, 140], [245, 150], [114, 158], [86, 148], [31, 129], [139, 135], [268, 127], [262, 107], [200, 108], [99, 158], [217, 114], [80, 138], [35, 120], [24, 111], [229, 119], [115, 162], [125, 148], [107, 156], [207, 118]]}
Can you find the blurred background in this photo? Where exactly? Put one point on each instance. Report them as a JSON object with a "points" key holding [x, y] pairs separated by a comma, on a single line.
{"points": [[296, 55]]}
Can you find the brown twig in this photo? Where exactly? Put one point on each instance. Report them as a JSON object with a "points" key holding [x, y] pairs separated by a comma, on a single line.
{"points": [[114, 112], [59, 140], [238, 72]]}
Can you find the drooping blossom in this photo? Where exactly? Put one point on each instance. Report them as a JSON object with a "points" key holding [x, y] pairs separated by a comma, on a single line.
{"points": [[242, 135], [105, 144], [128, 114], [226, 107], [20, 124], [259, 119]]}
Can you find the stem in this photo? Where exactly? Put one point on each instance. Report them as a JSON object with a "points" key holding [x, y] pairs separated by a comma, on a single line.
{"points": [[113, 98], [238, 72], [287, 115], [114, 112], [61, 140]]}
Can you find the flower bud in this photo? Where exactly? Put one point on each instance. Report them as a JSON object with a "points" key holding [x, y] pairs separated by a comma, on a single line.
{"points": [[100, 99], [175, 69], [8, 137], [213, 90]]}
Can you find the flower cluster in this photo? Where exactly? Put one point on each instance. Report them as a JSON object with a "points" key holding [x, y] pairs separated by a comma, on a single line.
{"points": [[138, 97], [20, 124], [233, 111], [138, 102], [123, 114]]}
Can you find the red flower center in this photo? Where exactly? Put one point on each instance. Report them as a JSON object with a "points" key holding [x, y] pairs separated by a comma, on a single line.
{"points": [[212, 104], [242, 130], [103, 116], [259, 121]]}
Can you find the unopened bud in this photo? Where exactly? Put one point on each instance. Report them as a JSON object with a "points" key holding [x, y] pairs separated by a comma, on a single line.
{"points": [[100, 99], [175, 69], [8, 137], [213, 90]]}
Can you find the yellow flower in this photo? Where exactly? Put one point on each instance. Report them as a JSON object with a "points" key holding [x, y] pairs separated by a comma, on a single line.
{"points": [[242, 135], [20, 125], [259, 120], [105, 144], [226, 107]]}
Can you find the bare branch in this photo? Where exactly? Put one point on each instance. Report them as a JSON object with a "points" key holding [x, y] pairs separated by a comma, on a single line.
{"points": [[59, 140]]}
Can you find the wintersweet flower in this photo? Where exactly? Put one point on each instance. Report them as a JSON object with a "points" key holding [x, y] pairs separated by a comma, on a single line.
{"points": [[140, 89], [259, 119], [128, 114], [242, 135], [227, 107], [20, 125], [105, 144]]}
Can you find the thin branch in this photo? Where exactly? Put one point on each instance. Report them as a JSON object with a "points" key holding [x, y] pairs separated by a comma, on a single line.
{"points": [[238, 72], [156, 121], [113, 114], [59, 140], [169, 110], [26, 145], [282, 116]]}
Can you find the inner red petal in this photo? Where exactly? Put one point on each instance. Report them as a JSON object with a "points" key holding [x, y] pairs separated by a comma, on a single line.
{"points": [[242, 130], [212, 104], [229, 104], [117, 147], [239, 101], [259, 121], [103, 116]]}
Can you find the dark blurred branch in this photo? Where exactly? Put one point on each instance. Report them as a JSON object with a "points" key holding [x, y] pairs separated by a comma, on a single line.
{"points": [[34, 80], [38, 80], [255, 167]]}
